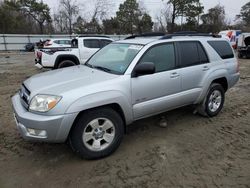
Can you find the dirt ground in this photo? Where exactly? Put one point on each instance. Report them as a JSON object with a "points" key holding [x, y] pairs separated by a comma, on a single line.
{"points": [[192, 151]]}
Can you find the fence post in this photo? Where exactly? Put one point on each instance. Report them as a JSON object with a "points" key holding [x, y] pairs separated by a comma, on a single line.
{"points": [[29, 39], [4, 42]]}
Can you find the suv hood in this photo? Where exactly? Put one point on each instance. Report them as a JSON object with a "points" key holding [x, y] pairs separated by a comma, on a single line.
{"points": [[66, 79]]}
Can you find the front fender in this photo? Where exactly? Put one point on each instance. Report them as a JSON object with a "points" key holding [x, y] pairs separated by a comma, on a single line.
{"points": [[102, 99]]}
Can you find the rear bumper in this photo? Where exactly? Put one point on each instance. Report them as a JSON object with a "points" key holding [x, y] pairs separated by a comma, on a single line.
{"points": [[234, 79], [55, 128], [38, 63]]}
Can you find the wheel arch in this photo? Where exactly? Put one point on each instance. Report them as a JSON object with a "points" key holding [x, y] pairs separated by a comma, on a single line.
{"points": [[114, 106], [60, 58]]}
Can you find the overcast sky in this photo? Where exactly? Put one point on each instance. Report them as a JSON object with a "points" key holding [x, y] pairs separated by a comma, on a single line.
{"points": [[232, 7]]}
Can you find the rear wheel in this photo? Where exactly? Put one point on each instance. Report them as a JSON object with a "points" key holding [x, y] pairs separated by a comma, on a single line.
{"points": [[66, 63], [97, 133], [213, 102]]}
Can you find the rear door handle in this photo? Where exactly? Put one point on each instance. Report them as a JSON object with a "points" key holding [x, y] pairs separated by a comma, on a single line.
{"points": [[174, 75], [205, 68]]}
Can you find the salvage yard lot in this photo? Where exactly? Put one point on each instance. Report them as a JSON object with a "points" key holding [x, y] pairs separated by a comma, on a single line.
{"points": [[192, 151]]}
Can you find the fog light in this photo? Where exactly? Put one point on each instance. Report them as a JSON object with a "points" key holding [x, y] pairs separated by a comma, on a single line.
{"points": [[37, 133]]}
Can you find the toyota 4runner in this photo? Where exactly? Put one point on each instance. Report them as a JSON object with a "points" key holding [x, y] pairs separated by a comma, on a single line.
{"points": [[90, 105]]}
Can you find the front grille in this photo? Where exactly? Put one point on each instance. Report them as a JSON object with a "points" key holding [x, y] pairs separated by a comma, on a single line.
{"points": [[25, 95]]}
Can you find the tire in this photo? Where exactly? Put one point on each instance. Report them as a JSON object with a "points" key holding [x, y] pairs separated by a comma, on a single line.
{"points": [[97, 133], [213, 102], [66, 63]]}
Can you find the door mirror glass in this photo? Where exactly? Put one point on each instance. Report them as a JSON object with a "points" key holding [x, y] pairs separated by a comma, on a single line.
{"points": [[144, 68]]}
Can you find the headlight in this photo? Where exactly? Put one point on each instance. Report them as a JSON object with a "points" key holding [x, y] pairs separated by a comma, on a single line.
{"points": [[44, 103]]}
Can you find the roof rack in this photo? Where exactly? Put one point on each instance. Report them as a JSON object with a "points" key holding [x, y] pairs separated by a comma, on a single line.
{"points": [[91, 35], [190, 34], [151, 34]]}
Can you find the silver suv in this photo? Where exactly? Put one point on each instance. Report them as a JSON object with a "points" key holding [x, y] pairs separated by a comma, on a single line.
{"points": [[90, 105]]}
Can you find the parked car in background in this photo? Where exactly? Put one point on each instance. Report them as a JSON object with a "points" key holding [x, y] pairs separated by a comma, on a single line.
{"points": [[90, 105], [55, 43], [82, 48], [244, 45], [30, 47], [232, 36]]}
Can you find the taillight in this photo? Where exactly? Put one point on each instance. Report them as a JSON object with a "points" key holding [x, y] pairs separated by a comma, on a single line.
{"points": [[39, 54]]}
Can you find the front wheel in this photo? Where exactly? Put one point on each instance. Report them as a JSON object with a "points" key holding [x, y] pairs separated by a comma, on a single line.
{"points": [[97, 133], [213, 102]]}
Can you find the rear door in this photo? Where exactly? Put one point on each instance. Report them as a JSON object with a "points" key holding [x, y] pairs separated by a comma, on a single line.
{"points": [[88, 48], [194, 67]]}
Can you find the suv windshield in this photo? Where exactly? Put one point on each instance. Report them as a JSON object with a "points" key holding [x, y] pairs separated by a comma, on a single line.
{"points": [[114, 58]]}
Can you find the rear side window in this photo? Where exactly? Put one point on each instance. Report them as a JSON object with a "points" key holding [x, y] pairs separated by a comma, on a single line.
{"points": [[105, 43], [91, 43], [56, 41], [65, 42], [223, 48], [191, 53]]}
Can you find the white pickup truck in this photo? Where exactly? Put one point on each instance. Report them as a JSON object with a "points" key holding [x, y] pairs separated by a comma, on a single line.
{"points": [[81, 50]]}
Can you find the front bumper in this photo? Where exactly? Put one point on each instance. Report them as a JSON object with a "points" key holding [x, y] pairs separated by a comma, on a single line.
{"points": [[56, 127]]}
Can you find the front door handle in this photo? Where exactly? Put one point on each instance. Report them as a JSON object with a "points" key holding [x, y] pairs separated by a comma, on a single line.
{"points": [[205, 68], [174, 75]]}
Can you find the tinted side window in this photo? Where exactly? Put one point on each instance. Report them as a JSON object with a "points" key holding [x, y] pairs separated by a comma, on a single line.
{"points": [[91, 43], [163, 56], [223, 48], [105, 43], [67, 42], [202, 54], [188, 53], [64, 42], [56, 41]]}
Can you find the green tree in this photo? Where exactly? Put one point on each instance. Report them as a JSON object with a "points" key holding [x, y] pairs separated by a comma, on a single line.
{"points": [[245, 14], [111, 26], [131, 19], [193, 12], [14, 21], [145, 24], [184, 8], [214, 20], [39, 11]]}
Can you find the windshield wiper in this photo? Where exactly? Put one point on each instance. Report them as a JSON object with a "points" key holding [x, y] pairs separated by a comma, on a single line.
{"points": [[102, 68], [88, 65]]}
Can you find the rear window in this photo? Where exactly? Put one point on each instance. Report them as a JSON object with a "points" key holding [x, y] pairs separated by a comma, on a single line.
{"points": [[223, 48]]}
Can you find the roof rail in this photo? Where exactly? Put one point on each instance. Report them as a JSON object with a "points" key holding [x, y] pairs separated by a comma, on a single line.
{"points": [[151, 34], [190, 34], [91, 35]]}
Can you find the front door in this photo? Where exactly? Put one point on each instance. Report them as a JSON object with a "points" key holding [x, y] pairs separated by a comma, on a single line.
{"points": [[155, 93]]}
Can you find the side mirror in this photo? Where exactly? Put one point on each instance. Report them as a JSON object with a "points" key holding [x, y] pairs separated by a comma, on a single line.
{"points": [[144, 68]]}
